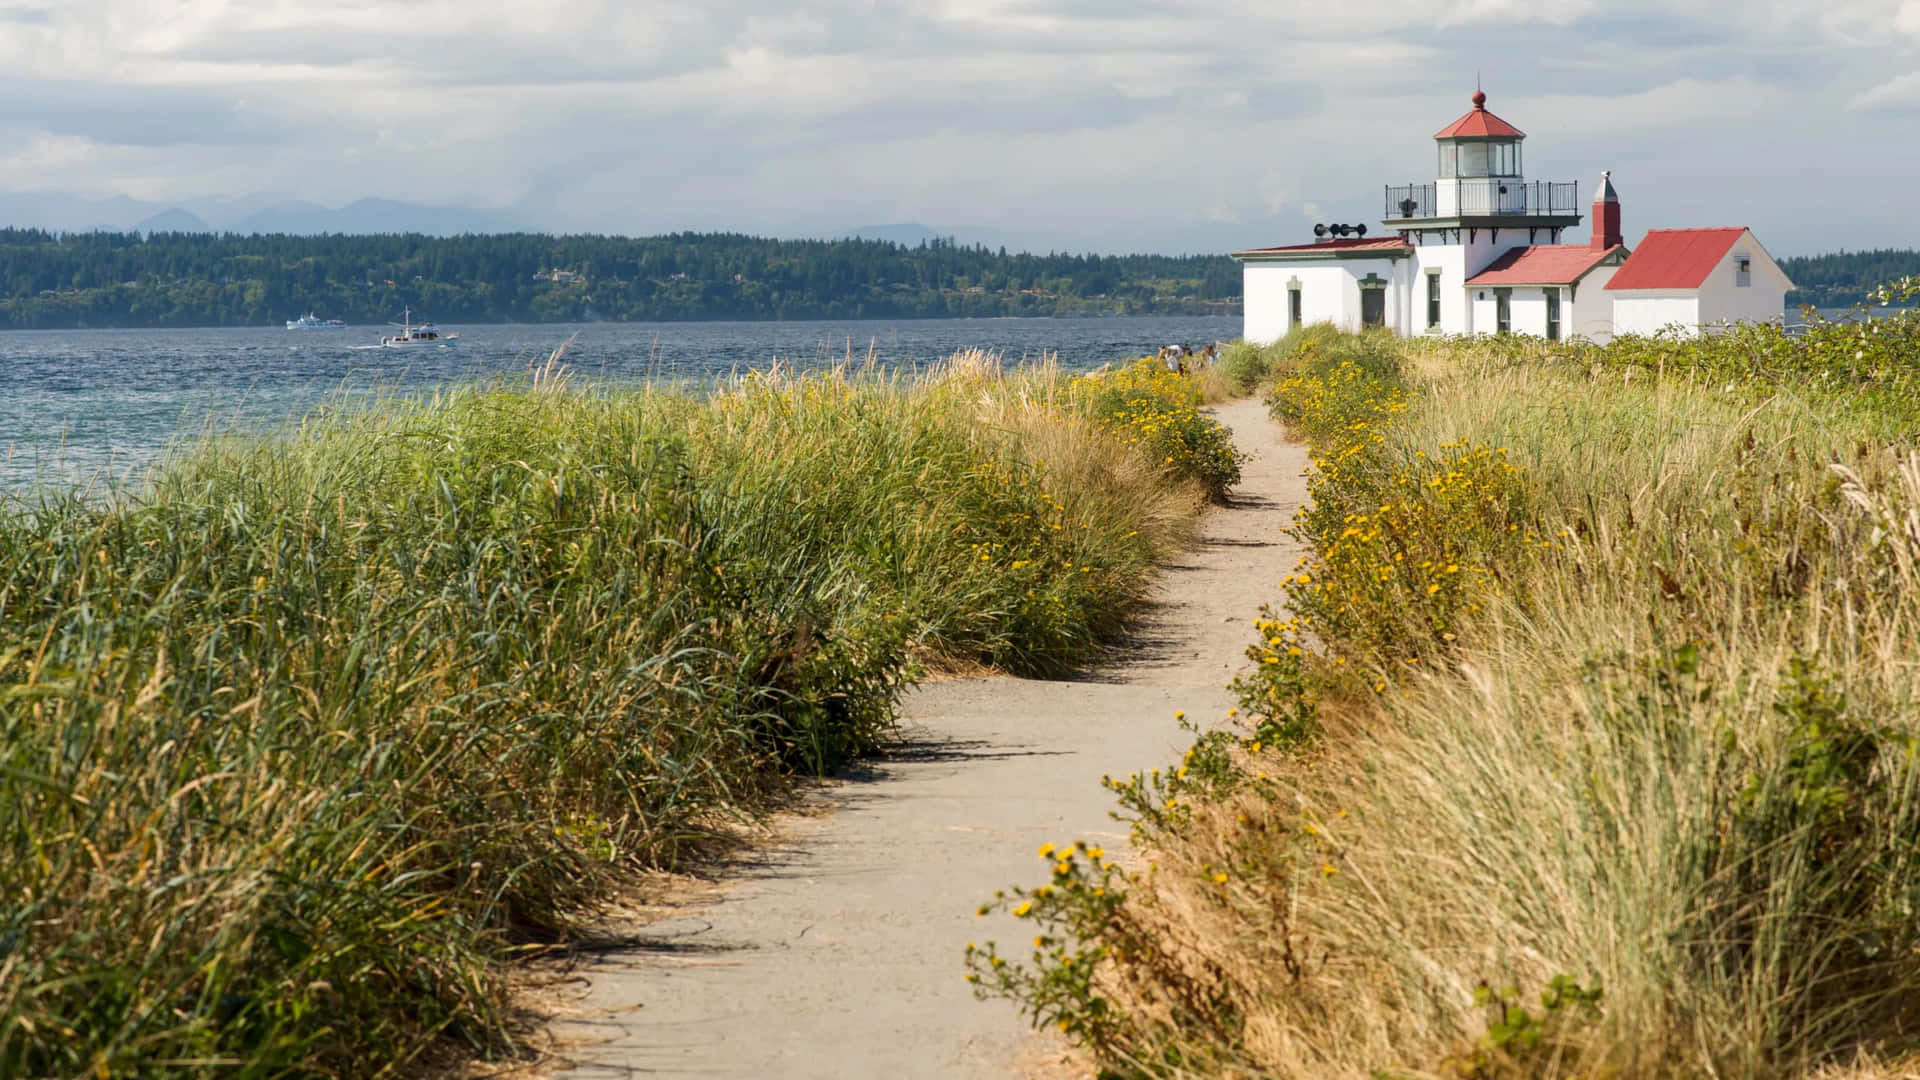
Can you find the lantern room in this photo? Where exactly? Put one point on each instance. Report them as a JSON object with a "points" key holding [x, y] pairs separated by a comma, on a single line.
{"points": [[1480, 182], [1479, 145]]}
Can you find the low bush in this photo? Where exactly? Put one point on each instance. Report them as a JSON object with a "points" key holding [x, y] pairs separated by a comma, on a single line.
{"points": [[1157, 410]]}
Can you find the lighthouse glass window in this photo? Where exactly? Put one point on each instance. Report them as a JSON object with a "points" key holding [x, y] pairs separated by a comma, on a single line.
{"points": [[1479, 159]]}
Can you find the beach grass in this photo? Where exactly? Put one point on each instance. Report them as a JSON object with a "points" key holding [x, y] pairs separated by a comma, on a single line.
{"points": [[303, 740], [1582, 743]]}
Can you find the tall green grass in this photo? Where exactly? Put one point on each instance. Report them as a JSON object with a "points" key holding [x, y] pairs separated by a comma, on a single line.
{"points": [[300, 742]]}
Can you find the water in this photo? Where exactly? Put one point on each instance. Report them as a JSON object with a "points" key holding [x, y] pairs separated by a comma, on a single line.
{"points": [[79, 404]]}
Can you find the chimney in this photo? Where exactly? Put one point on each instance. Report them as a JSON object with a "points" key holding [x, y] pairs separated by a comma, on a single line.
{"points": [[1606, 215]]}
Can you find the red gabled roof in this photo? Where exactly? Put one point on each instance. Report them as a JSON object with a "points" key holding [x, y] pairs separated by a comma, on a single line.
{"points": [[1675, 258], [1370, 243], [1479, 124], [1543, 264]]}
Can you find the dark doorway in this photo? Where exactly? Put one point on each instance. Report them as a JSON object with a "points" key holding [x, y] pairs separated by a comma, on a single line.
{"points": [[1373, 307]]}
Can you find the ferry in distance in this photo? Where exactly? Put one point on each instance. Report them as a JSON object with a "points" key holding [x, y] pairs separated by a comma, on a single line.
{"points": [[311, 322], [412, 333]]}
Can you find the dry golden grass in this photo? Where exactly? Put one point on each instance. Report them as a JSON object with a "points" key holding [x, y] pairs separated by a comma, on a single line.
{"points": [[1671, 754]]}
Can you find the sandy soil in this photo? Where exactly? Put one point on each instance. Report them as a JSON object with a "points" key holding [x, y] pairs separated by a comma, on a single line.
{"points": [[836, 951]]}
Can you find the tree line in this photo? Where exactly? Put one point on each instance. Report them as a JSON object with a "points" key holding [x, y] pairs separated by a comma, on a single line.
{"points": [[109, 279], [1844, 278]]}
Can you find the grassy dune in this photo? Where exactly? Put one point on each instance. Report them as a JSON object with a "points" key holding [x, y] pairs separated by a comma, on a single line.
{"points": [[1586, 745], [301, 742]]}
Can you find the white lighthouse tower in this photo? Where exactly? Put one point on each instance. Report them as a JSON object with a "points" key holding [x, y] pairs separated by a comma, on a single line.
{"points": [[1479, 207], [1478, 251]]}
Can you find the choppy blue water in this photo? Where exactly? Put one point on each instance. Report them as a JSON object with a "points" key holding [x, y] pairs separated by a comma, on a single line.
{"points": [[79, 405]]}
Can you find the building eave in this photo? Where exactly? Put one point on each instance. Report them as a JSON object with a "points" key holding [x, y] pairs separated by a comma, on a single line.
{"points": [[1332, 255], [1505, 221]]}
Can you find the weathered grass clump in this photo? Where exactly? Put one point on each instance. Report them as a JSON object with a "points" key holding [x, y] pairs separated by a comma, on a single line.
{"points": [[298, 744], [1158, 411], [1587, 746]]}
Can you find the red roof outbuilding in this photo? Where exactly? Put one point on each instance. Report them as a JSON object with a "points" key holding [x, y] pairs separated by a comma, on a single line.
{"points": [[1675, 258], [1480, 124], [1543, 264]]}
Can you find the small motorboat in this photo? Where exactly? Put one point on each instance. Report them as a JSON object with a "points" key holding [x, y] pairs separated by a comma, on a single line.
{"points": [[412, 333]]}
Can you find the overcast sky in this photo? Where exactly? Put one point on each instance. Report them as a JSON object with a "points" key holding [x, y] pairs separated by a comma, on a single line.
{"points": [[1084, 124]]}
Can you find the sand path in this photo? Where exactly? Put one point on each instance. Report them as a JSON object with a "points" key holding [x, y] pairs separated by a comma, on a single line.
{"points": [[837, 951]]}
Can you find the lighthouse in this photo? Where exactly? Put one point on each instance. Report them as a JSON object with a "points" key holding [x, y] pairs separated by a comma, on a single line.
{"points": [[1478, 250], [1480, 206]]}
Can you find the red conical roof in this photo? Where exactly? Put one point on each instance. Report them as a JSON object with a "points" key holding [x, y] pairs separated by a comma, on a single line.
{"points": [[1480, 124]]}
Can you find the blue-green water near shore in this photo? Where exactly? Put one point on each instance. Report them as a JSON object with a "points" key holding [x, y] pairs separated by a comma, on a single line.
{"points": [[84, 405]]}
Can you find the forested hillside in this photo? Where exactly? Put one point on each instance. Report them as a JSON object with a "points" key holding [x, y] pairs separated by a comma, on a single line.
{"points": [[194, 279], [1844, 278]]}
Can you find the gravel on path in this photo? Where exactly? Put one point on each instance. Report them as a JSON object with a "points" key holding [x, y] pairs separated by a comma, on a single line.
{"points": [[837, 951]]}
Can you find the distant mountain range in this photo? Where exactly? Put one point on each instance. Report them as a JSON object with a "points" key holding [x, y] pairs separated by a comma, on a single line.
{"points": [[259, 214], [253, 214]]}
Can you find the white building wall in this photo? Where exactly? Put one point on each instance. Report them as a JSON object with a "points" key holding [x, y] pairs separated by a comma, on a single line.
{"points": [[1460, 312], [1263, 294], [1450, 260], [1329, 292], [1589, 314], [1482, 246], [1765, 300], [1486, 316], [1649, 311], [1529, 310]]}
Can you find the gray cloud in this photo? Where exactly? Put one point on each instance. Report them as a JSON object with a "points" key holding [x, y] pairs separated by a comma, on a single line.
{"points": [[1177, 124]]}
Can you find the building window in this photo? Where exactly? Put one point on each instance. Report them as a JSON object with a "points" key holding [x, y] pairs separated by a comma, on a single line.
{"points": [[1433, 301], [1553, 314], [1742, 270], [1473, 159], [1373, 306], [1503, 311], [1293, 306]]}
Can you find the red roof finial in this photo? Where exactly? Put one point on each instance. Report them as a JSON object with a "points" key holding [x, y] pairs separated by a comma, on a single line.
{"points": [[1479, 99]]}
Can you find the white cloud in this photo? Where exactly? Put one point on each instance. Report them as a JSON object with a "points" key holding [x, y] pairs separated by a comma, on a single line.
{"points": [[1898, 93], [1110, 124]]}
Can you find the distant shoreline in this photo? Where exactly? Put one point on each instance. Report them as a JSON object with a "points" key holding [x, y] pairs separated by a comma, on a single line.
{"points": [[336, 335]]}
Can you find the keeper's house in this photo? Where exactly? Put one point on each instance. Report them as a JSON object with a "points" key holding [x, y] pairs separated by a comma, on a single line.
{"points": [[1479, 251]]}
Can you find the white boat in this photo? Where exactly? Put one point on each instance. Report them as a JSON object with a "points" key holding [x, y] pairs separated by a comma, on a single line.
{"points": [[310, 321], [412, 333]]}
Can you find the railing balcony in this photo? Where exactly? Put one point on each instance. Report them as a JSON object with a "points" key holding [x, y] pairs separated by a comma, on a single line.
{"points": [[1482, 197]]}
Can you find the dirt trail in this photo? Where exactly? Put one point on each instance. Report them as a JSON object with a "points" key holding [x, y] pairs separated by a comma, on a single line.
{"points": [[837, 952]]}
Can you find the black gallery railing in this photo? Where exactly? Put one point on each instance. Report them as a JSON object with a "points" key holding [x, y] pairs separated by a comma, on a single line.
{"points": [[1485, 198]]}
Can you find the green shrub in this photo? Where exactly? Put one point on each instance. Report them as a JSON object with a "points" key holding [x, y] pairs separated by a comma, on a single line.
{"points": [[1157, 410]]}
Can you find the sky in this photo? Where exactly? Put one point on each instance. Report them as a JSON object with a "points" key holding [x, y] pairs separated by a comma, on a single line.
{"points": [[1086, 125]]}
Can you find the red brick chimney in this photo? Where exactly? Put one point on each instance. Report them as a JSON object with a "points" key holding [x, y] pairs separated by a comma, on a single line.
{"points": [[1606, 216]]}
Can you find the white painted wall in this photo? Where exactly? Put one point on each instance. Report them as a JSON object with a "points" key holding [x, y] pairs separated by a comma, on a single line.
{"points": [[1263, 292], [1329, 292], [1590, 313], [1765, 300], [1530, 310], [1649, 311], [1485, 314], [1450, 260], [1459, 313]]}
